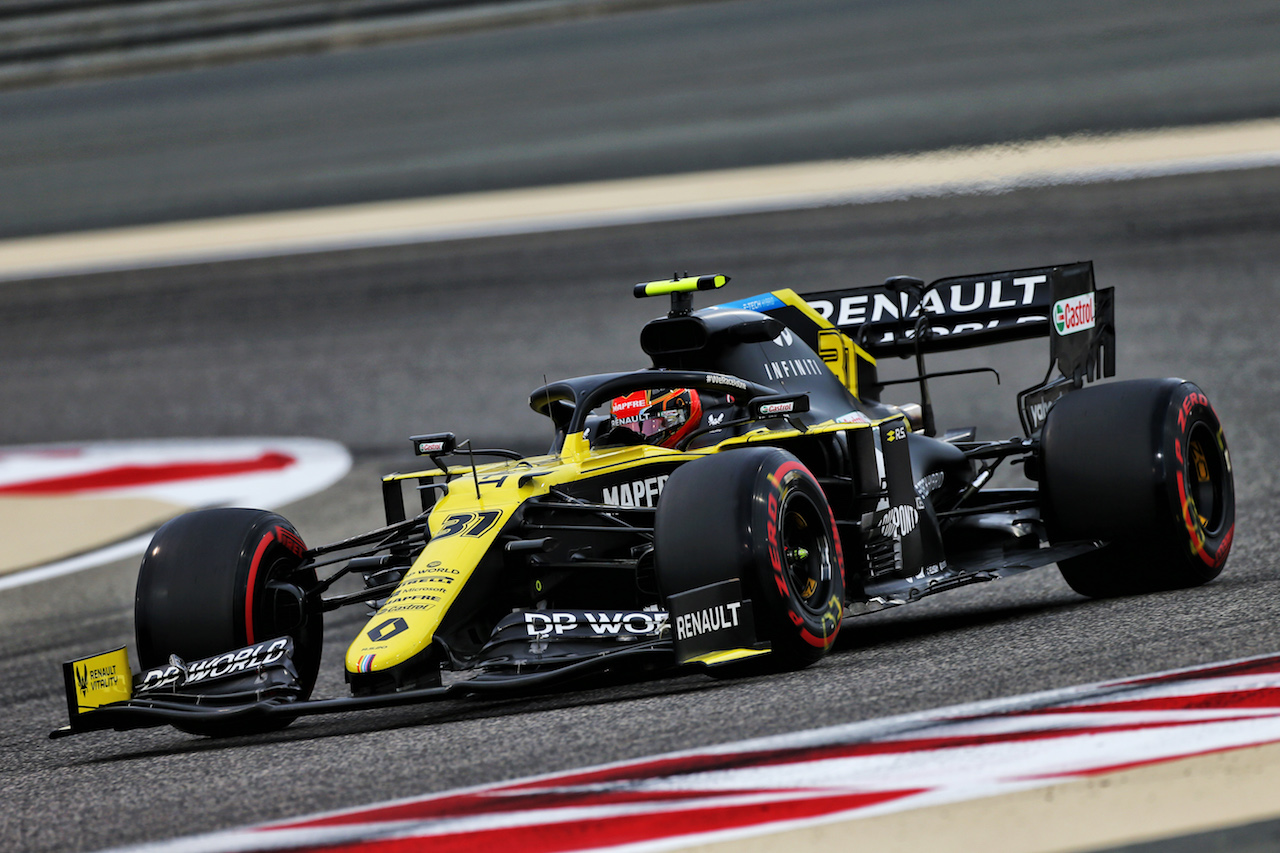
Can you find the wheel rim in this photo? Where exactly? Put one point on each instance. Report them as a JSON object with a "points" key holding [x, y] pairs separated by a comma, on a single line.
{"points": [[1203, 471], [806, 551], [276, 603]]}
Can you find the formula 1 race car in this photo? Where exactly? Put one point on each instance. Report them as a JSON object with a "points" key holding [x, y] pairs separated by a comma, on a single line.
{"points": [[725, 509]]}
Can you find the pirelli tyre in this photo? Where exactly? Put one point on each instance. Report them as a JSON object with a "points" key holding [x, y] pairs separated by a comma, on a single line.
{"points": [[1142, 465], [213, 581], [757, 515]]}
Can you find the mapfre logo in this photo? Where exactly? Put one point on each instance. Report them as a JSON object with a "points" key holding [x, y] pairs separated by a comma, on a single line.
{"points": [[639, 493], [626, 410], [1074, 314]]}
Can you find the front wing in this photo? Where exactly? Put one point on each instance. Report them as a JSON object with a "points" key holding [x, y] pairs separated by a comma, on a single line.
{"points": [[144, 711], [527, 650]]}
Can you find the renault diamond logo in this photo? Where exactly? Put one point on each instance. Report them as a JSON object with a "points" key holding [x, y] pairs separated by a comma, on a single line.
{"points": [[387, 630]]}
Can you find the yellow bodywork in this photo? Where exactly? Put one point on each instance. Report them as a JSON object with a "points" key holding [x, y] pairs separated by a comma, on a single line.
{"points": [[728, 656], [467, 520], [463, 528], [840, 354], [99, 680]]}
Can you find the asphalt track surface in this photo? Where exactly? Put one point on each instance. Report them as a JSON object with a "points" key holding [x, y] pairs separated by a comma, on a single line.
{"points": [[705, 86], [368, 347], [1194, 261]]}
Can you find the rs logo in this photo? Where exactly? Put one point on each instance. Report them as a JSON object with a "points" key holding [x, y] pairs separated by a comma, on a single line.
{"points": [[387, 630]]}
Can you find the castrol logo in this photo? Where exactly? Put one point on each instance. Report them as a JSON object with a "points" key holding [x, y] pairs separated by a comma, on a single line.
{"points": [[1074, 314]]}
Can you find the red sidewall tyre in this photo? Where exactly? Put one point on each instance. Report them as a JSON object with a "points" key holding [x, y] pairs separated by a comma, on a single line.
{"points": [[758, 515], [203, 590], [1144, 466]]}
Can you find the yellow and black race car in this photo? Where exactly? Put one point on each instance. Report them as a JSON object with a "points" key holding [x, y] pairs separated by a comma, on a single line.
{"points": [[726, 508]]}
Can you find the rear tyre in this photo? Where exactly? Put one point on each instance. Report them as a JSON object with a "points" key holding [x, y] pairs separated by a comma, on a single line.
{"points": [[757, 515], [208, 584], [1144, 466]]}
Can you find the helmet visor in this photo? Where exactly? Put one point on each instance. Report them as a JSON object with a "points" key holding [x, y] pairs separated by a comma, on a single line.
{"points": [[663, 422]]}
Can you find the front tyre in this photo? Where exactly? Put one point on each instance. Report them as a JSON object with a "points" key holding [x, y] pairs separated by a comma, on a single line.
{"points": [[757, 515], [1144, 466], [217, 580]]}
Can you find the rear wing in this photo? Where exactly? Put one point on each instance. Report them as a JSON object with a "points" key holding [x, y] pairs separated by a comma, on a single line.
{"points": [[904, 317], [961, 312]]}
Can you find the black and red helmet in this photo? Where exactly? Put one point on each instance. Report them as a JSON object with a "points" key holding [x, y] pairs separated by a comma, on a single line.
{"points": [[662, 418]]}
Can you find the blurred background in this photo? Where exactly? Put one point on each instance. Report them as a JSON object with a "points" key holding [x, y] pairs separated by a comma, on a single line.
{"points": [[138, 115]]}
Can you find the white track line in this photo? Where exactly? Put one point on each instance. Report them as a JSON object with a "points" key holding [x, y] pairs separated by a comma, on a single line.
{"points": [[1052, 772], [988, 169], [44, 538]]}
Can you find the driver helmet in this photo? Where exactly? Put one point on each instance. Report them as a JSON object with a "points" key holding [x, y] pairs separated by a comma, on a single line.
{"points": [[664, 417]]}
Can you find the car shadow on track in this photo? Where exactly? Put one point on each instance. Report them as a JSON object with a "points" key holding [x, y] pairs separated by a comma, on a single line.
{"points": [[433, 714], [896, 626], [857, 635]]}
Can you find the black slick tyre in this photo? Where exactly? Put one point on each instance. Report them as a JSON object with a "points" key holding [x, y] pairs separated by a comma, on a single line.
{"points": [[757, 515], [1144, 466], [205, 587]]}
